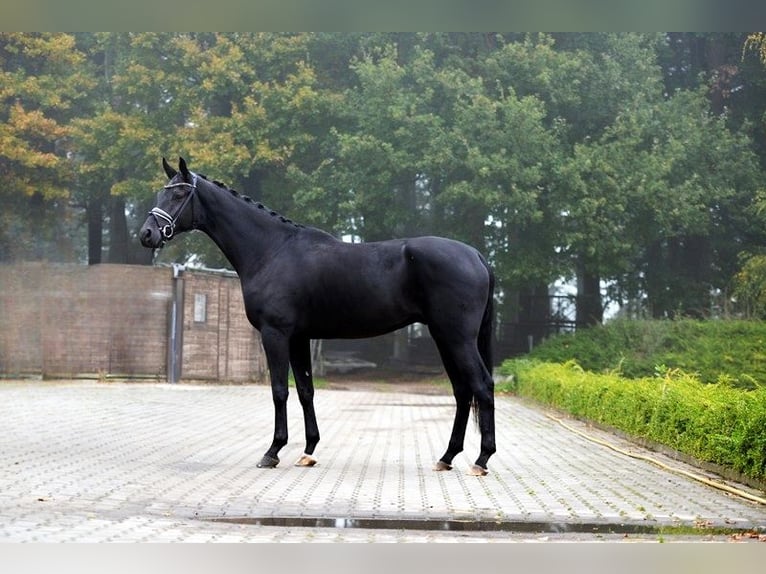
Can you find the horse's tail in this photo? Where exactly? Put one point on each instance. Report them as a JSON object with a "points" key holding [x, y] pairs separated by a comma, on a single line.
{"points": [[486, 337], [486, 332]]}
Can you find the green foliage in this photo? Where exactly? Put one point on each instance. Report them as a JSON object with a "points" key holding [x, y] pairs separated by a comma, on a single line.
{"points": [[711, 422], [44, 80], [588, 155], [750, 286], [756, 41], [715, 351]]}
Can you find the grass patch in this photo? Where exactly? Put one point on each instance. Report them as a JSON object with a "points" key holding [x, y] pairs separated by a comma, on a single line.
{"points": [[319, 382]]}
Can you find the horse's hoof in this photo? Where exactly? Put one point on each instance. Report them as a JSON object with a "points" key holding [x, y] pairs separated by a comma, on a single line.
{"points": [[268, 462], [477, 470], [306, 460], [441, 465]]}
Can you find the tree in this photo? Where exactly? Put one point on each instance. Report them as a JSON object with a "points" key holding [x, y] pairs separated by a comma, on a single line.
{"points": [[42, 83], [627, 160], [584, 82], [264, 119], [147, 87], [679, 180], [725, 139], [434, 148]]}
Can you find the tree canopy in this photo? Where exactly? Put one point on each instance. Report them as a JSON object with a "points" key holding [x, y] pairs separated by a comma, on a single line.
{"points": [[628, 163]]}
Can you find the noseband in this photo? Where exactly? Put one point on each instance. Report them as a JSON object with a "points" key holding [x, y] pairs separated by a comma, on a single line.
{"points": [[160, 215]]}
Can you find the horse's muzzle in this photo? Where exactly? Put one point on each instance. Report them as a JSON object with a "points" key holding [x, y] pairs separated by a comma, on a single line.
{"points": [[150, 234]]}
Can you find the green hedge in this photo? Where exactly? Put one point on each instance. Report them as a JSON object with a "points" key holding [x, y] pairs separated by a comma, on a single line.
{"points": [[717, 423], [716, 351]]}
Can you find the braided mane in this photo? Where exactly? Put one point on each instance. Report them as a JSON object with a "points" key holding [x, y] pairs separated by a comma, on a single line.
{"points": [[251, 201]]}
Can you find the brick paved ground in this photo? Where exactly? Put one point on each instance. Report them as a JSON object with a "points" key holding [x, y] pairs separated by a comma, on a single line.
{"points": [[89, 461]]}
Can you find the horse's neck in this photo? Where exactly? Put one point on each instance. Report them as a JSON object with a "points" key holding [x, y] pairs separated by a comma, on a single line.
{"points": [[246, 235]]}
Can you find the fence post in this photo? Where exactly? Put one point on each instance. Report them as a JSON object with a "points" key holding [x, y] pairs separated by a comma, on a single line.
{"points": [[176, 326]]}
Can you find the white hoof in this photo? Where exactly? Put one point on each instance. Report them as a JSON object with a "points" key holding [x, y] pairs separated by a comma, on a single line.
{"points": [[306, 460], [477, 470]]}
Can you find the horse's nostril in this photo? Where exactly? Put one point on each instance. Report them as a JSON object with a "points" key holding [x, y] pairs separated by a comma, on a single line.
{"points": [[145, 236]]}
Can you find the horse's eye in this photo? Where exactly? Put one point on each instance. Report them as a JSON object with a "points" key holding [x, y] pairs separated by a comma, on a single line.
{"points": [[179, 193]]}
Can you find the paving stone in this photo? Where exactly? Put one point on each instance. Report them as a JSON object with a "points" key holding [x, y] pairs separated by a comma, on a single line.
{"points": [[87, 461]]}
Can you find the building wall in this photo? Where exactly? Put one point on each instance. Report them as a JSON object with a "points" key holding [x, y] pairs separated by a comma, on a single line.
{"points": [[218, 339], [113, 320]]}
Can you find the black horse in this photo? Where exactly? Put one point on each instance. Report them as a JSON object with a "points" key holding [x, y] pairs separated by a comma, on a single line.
{"points": [[300, 283]]}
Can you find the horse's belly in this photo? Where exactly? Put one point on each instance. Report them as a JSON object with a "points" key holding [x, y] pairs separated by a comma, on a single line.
{"points": [[347, 321]]}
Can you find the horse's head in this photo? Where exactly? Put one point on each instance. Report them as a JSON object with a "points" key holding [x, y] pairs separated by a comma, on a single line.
{"points": [[174, 211]]}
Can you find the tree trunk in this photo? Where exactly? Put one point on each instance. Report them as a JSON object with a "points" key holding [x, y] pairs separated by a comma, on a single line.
{"points": [[95, 217], [590, 309], [534, 316], [697, 263], [137, 254], [653, 279], [118, 231]]}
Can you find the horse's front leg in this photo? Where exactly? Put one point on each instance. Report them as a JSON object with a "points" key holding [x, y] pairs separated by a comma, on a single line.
{"points": [[300, 361], [275, 345]]}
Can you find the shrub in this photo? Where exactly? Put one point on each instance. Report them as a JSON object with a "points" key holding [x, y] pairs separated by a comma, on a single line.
{"points": [[716, 351], [712, 422]]}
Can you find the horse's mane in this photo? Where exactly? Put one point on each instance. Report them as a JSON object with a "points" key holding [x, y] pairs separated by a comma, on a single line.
{"points": [[249, 200]]}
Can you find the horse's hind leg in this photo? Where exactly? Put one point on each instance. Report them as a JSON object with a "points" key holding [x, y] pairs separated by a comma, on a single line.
{"points": [[483, 388], [457, 438], [470, 379], [486, 405], [463, 396], [300, 361]]}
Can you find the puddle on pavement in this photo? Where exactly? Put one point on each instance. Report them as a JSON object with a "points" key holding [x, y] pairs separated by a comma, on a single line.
{"points": [[440, 525]]}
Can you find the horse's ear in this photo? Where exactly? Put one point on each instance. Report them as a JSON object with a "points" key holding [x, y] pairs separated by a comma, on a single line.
{"points": [[171, 173], [182, 167]]}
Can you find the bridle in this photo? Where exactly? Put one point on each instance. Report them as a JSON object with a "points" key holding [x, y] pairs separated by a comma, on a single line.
{"points": [[160, 215]]}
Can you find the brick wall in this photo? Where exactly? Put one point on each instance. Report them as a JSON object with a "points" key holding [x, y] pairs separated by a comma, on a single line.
{"points": [[70, 320]]}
